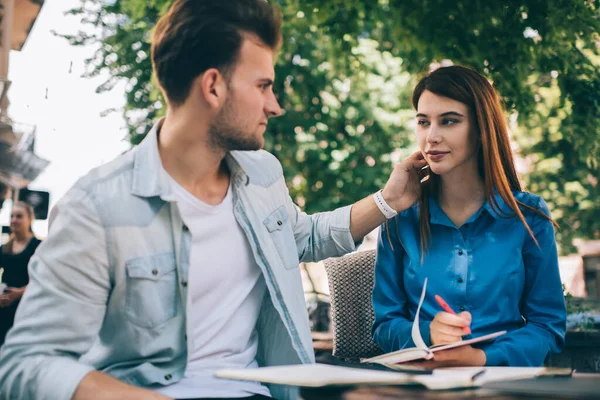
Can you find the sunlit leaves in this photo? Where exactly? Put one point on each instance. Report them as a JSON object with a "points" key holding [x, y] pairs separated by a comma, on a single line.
{"points": [[346, 71]]}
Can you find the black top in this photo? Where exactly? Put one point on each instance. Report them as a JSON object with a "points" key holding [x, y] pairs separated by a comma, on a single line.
{"points": [[15, 265]]}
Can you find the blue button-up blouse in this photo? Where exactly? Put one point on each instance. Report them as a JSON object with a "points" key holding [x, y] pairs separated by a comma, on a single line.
{"points": [[490, 266]]}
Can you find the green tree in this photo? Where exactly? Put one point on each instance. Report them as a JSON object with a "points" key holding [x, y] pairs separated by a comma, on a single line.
{"points": [[344, 114], [346, 70]]}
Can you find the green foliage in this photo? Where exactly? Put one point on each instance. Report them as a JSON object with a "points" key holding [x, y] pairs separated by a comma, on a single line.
{"points": [[583, 308], [345, 113], [345, 74]]}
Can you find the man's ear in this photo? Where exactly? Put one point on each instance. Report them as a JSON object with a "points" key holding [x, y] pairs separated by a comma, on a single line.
{"points": [[213, 87]]}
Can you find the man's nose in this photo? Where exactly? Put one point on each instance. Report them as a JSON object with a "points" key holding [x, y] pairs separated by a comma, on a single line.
{"points": [[272, 107]]}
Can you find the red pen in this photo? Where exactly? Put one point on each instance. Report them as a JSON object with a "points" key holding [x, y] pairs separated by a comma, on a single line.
{"points": [[447, 308]]}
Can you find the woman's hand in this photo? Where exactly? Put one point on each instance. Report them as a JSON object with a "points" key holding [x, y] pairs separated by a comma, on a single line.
{"points": [[463, 356], [10, 296], [403, 188], [447, 328]]}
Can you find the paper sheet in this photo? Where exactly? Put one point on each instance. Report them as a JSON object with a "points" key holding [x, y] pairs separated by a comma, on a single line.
{"points": [[416, 331], [318, 375]]}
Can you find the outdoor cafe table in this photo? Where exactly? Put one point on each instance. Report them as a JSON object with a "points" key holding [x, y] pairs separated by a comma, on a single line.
{"points": [[580, 386]]}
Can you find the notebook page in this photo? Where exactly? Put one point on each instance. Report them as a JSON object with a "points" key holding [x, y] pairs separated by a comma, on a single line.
{"points": [[318, 375], [420, 351], [416, 332], [478, 339]]}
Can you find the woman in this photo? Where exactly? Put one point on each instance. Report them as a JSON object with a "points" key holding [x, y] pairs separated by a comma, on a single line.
{"points": [[14, 257], [486, 247]]}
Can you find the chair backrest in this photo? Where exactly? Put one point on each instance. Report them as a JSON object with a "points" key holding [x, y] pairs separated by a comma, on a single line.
{"points": [[351, 280]]}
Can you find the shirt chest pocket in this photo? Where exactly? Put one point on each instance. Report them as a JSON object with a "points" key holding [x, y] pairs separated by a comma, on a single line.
{"points": [[280, 230], [151, 291]]}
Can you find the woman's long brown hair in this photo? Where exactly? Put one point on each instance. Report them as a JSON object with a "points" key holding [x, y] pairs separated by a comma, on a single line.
{"points": [[495, 161]]}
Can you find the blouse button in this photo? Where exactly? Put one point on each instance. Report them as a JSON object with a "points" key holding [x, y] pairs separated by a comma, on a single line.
{"points": [[460, 252], [155, 272], [168, 377], [279, 223], [460, 280], [462, 308]]}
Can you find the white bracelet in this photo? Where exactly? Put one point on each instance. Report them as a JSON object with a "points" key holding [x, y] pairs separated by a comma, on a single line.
{"points": [[383, 206]]}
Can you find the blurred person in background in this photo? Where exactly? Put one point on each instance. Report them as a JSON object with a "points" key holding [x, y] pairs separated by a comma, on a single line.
{"points": [[14, 257]]}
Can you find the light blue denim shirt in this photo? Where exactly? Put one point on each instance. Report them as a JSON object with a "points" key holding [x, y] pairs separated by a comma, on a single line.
{"points": [[108, 285], [490, 266]]}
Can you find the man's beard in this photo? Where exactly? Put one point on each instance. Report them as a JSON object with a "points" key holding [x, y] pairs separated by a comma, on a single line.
{"points": [[226, 133]]}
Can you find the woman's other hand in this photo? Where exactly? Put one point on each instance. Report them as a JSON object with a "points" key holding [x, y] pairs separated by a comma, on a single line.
{"points": [[463, 356], [403, 188]]}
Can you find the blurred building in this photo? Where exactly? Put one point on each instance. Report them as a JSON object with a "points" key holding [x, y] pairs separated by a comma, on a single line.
{"points": [[19, 165]]}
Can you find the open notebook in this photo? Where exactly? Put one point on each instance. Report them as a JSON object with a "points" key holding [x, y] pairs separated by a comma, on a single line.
{"points": [[320, 375], [421, 351]]}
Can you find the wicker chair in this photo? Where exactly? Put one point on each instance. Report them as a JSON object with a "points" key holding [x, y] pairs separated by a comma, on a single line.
{"points": [[351, 280]]}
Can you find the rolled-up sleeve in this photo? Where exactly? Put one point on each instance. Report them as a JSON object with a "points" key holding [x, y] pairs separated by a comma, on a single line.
{"points": [[321, 235], [62, 310]]}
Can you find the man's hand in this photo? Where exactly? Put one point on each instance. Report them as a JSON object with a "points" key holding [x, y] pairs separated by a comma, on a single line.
{"points": [[403, 188], [99, 386], [447, 328], [10, 296], [464, 356]]}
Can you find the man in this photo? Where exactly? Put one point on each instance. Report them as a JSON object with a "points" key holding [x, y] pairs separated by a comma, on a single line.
{"points": [[181, 257]]}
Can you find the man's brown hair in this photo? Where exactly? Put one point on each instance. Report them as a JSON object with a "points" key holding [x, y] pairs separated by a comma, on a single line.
{"points": [[196, 35]]}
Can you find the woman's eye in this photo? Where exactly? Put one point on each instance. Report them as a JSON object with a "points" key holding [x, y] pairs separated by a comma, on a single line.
{"points": [[422, 122], [449, 121]]}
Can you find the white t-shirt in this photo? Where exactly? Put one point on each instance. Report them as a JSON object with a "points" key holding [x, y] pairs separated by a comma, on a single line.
{"points": [[225, 293]]}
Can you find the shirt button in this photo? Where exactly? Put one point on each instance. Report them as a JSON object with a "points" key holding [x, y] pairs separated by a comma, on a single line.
{"points": [[185, 228], [168, 377], [184, 283], [460, 280], [154, 271], [279, 223], [462, 308], [460, 252]]}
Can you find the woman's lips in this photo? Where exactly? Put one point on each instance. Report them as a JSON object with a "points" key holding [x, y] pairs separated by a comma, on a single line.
{"points": [[437, 156]]}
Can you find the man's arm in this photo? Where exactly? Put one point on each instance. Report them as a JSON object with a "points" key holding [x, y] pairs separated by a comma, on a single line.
{"points": [[62, 310], [99, 386], [335, 233], [400, 192]]}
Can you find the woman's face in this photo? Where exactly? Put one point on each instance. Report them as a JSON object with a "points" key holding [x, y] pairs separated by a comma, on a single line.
{"points": [[445, 134], [19, 220]]}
